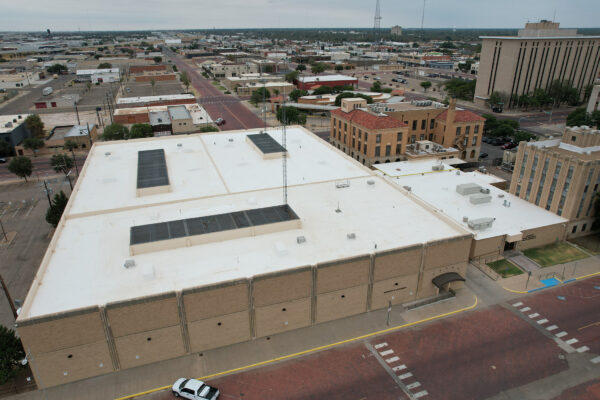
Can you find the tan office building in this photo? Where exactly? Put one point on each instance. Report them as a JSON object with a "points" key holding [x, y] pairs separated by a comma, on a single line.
{"points": [[562, 176], [540, 54], [200, 251]]}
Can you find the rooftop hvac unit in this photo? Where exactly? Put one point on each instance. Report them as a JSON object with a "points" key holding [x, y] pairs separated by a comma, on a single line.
{"points": [[108, 153], [481, 223], [370, 182], [8, 125], [480, 198], [300, 239], [129, 263], [351, 235], [465, 219], [485, 191], [467, 188], [437, 167], [342, 184], [407, 188]]}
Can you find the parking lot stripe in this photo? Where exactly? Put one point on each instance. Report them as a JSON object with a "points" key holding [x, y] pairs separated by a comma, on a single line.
{"points": [[385, 353], [413, 385], [571, 341], [380, 345], [582, 349], [595, 360], [391, 360], [534, 315], [399, 368], [421, 394], [561, 334], [551, 328], [406, 375], [542, 321], [525, 309], [519, 304]]}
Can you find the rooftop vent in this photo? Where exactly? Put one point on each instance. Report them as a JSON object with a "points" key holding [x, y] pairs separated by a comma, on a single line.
{"points": [[370, 182], [465, 219], [485, 191], [20, 117], [108, 153], [8, 125], [342, 184], [300, 239], [230, 139], [437, 167], [129, 263], [408, 188], [481, 223], [179, 144], [480, 198], [351, 235]]}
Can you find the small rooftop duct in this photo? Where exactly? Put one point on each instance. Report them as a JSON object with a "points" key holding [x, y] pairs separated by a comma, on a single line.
{"points": [[467, 188], [480, 198], [480, 223]]}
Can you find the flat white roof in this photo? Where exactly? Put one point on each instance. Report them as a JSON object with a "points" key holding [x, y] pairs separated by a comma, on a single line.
{"points": [[210, 174], [147, 99], [439, 190], [97, 71], [326, 78], [9, 119]]}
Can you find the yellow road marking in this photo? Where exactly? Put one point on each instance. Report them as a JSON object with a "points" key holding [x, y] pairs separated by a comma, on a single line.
{"points": [[300, 353], [587, 276], [514, 291], [597, 323]]}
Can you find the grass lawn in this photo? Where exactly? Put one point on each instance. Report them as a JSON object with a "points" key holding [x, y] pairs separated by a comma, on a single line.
{"points": [[590, 243], [505, 268], [557, 253]]}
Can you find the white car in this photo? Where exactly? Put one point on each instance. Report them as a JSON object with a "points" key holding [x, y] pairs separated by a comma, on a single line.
{"points": [[194, 389]]}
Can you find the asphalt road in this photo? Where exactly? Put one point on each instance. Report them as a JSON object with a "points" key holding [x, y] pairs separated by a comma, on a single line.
{"points": [[22, 104], [217, 104], [41, 167]]}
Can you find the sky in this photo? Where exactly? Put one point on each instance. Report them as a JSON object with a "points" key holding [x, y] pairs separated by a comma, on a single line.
{"points": [[73, 15]]}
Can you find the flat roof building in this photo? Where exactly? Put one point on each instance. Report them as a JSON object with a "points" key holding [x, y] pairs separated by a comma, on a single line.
{"points": [[193, 231], [168, 99], [310, 82], [13, 129]]}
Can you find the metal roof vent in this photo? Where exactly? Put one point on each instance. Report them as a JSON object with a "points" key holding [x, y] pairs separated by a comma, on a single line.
{"points": [[351, 235], [407, 188], [129, 263], [342, 184], [300, 239], [465, 219], [457, 172], [370, 182], [20, 117], [231, 139], [485, 191], [179, 145], [108, 153]]}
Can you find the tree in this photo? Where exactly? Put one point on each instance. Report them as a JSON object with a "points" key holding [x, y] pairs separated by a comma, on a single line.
{"points": [[301, 67], [55, 211], [33, 144], [376, 87], [521, 136], [579, 117], [140, 131], [318, 68], [11, 354], [491, 122], [34, 125], [297, 93], [292, 116], [104, 65], [5, 149], [174, 68], [185, 79], [115, 132], [56, 69], [415, 45], [339, 68], [345, 95], [291, 76], [464, 90], [209, 128], [425, 85], [259, 94], [21, 166], [157, 59], [495, 99], [61, 163], [323, 90]]}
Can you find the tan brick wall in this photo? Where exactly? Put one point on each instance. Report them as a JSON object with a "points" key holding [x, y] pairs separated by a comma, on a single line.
{"points": [[541, 236], [398, 290], [208, 334], [145, 316], [282, 317], [428, 289], [397, 263], [165, 343], [341, 303], [62, 333], [214, 301], [85, 361], [341, 275], [278, 288], [450, 252], [487, 247]]}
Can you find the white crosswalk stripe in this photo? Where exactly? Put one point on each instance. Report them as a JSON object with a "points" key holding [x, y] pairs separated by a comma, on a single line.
{"points": [[583, 349], [399, 368], [413, 385], [534, 315], [561, 334], [380, 345], [551, 327], [387, 352], [542, 321], [519, 304], [406, 375], [525, 309], [421, 394], [391, 360], [571, 341], [595, 360]]}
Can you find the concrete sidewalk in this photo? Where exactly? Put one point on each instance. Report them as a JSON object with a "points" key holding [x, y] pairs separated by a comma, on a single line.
{"points": [[264, 350]]}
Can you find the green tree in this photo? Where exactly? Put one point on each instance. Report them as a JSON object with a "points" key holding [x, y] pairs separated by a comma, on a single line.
{"points": [[345, 95], [115, 132], [297, 93], [104, 65], [33, 144], [521, 136], [11, 354], [415, 45], [425, 85], [56, 68], [259, 94], [69, 145], [157, 59], [464, 90], [301, 67], [55, 211], [291, 76], [292, 116], [21, 166], [376, 87], [318, 68], [339, 68], [185, 79], [579, 117], [140, 131], [495, 99], [209, 128], [34, 125], [174, 68], [491, 122], [5, 149], [61, 163], [323, 90]]}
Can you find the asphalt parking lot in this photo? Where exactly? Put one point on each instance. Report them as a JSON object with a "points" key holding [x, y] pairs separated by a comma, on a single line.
{"points": [[137, 89]]}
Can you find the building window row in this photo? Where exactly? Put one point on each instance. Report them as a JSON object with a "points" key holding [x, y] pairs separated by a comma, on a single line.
{"points": [[553, 185], [563, 196], [542, 181]]}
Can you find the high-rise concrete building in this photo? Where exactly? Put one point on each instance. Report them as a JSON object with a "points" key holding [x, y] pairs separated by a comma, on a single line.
{"points": [[396, 30], [540, 54], [562, 176], [594, 100]]}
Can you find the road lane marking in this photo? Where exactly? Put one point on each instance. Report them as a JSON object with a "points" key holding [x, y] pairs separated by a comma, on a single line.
{"points": [[551, 328], [406, 375], [595, 360], [534, 315], [571, 341], [413, 385], [525, 309], [399, 368], [421, 394], [582, 349], [387, 352], [519, 304], [561, 334], [597, 323], [380, 345], [542, 321], [391, 360]]}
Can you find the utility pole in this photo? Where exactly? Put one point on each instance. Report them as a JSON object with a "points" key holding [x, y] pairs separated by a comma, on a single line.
{"points": [[6, 237], [47, 192], [10, 300], [77, 113]]}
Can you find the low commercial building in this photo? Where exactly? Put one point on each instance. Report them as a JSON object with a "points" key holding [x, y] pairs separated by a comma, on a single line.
{"points": [[181, 120], [99, 75], [233, 82], [164, 100], [82, 135], [142, 115], [63, 101], [147, 69], [562, 176], [311, 82], [13, 129], [155, 77], [498, 220], [227, 70], [329, 99], [203, 253], [274, 88]]}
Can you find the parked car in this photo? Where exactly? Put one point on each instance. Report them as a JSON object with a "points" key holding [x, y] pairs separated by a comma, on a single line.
{"points": [[194, 389], [509, 145], [2, 160], [394, 80], [366, 77], [377, 78], [219, 121], [485, 139], [483, 155]]}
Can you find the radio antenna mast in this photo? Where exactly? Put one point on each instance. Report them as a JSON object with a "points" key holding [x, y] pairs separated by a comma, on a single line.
{"points": [[284, 153]]}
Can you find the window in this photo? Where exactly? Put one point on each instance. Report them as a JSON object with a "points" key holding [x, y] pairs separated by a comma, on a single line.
{"points": [[359, 146], [365, 149], [563, 196], [378, 138], [422, 136], [573, 138], [553, 185], [414, 127], [467, 130], [377, 151], [413, 138], [388, 150], [345, 127], [340, 123], [476, 129], [584, 194], [574, 229], [457, 130], [523, 166], [423, 123], [399, 137], [431, 122], [353, 131], [366, 136], [474, 142], [472, 153], [518, 190], [583, 227], [531, 176], [353, 142], [359, 133], [398, 148], [542, 180]]}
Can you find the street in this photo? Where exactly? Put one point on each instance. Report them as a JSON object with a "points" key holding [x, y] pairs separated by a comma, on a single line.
{"points": [[41, 167]]}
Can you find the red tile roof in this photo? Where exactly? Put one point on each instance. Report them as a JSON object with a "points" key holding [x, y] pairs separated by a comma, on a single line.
{"points": [[368, 120], [462, 116]]}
